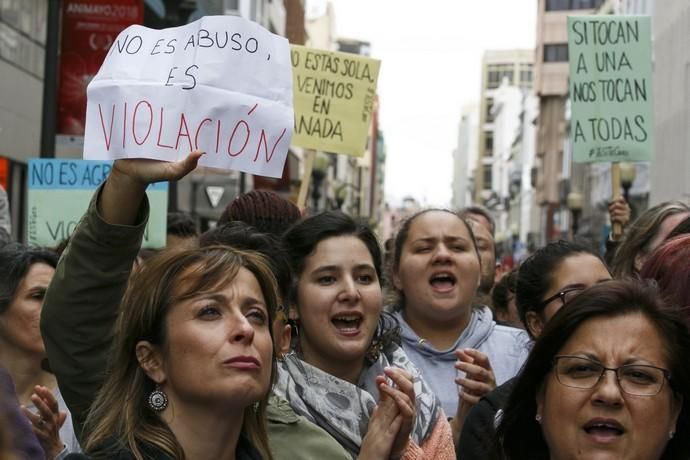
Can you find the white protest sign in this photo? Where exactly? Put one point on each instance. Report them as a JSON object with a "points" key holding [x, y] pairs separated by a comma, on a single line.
{"points": [[221, 84]]}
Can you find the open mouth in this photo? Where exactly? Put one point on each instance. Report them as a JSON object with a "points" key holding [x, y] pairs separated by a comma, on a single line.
{"points": [[347, 323], [443, 281], [604, 429]]}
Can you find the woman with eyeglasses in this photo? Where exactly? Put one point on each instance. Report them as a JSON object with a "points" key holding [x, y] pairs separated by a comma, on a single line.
{"points": [[552, 276], [607, 379]]}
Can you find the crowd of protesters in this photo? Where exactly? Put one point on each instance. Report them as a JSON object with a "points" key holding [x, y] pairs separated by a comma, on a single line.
{"points": [[271, 336]]}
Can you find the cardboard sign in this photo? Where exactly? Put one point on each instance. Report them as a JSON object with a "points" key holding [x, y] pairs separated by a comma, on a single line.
{"points": [[611, 88], [334, 98], [221, 84], [59, 195]]}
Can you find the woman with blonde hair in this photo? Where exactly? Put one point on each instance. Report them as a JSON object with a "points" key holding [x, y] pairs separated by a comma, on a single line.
{"points": [[191, 356], [644, 235]]}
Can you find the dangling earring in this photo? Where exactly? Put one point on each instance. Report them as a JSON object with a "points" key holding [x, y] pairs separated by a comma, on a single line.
{"points": [[374, 351], [295, 326], [671, 434], [255, 406], [294, 338], [158, 400], [538, 418]]}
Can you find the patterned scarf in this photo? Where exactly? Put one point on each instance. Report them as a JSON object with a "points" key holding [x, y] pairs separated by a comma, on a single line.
{"points": [[343, 409]]}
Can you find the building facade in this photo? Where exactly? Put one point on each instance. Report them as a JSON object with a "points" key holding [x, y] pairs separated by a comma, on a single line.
{"points": [[23, 30], [23, 25], [514, 113], [551, 87], [670, 169], [515, 66], [465, 157]]}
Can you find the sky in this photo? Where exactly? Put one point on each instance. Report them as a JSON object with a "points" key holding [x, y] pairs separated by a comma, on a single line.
{"points": [[430, 54]]}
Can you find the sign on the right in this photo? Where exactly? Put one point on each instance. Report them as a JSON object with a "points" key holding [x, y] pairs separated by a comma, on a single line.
{"points": [[611, 91]]}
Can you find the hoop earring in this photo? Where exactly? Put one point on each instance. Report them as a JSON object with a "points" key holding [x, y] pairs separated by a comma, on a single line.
{"points": [[158, 400]]}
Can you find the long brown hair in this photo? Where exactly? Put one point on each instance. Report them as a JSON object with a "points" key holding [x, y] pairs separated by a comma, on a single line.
{"points": [[119, 417], [639, 236]]}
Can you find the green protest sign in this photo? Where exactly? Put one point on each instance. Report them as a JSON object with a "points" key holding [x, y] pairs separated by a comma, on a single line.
{"points": [[59, 194], [611, 92]]}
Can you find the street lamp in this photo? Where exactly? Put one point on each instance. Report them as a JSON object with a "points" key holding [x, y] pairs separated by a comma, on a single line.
{"points": [[340, 195], [575, 203], [318, 173], [627, 178]]}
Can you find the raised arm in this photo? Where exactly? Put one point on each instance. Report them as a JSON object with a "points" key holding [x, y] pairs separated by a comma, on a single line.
{"points": [[81, 304]]}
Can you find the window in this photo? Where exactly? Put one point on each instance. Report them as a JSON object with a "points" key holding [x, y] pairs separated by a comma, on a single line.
{"points": [[20, 51], [488, 143], [493, 79], [23, 33], [557, 5], [489, 118], [556, 53], [564, 5], [525, 74], [585, 4], [496, 73], [28, 17], [487, 177]]}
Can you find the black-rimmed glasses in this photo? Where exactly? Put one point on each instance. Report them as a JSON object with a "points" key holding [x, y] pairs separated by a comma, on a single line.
{"points": [[566, 295], [633, 379]]}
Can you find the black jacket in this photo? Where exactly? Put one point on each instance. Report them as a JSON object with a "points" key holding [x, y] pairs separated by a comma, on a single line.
{"points": [[477, 436]]}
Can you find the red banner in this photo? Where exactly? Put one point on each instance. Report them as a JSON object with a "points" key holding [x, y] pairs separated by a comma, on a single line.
{"points": [[4, 173], [89, 27]]}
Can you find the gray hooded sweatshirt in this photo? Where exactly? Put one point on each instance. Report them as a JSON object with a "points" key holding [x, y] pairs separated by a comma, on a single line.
{"points": [[506, 347]]}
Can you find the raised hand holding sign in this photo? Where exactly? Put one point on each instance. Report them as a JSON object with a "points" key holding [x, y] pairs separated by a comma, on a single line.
{"points": [[222, 85]]}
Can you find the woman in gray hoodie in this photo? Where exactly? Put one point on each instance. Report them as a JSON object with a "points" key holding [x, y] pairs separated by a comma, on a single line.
{"points": [[461, 351]]}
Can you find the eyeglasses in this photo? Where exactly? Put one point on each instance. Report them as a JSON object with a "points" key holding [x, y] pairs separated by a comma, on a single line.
{"points": [[566, 295], [633, 379]]}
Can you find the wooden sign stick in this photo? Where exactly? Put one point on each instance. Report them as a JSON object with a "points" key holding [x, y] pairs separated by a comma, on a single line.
{"points": [[617, 228], [306, 177]]}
